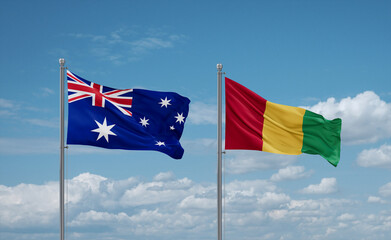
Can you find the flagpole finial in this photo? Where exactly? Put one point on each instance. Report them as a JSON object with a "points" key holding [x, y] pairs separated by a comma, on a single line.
{"points": [[219, 66], [61, 61]]}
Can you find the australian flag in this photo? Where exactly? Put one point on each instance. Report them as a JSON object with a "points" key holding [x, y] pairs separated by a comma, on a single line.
{"points": [[132, 119]]}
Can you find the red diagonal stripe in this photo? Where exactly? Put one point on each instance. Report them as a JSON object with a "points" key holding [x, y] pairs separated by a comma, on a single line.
{"points": [[82, 88], [70, 75], [121, 101]]}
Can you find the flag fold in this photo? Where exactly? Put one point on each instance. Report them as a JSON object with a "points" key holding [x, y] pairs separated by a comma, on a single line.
{"points": [[131, 119], [253, 123]]}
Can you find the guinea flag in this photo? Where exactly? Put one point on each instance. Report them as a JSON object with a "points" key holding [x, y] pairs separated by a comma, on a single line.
{"points": [[253, 123]]}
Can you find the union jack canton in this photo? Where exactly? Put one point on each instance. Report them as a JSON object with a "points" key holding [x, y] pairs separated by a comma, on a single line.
{"points": [[132, 119]]}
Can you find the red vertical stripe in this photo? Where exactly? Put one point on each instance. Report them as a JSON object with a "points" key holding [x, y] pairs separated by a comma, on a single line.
{"points": [[244, 117], [97, 89]]}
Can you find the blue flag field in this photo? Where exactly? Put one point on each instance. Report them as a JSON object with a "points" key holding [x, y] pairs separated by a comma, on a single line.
{"points": [[132, 119]]}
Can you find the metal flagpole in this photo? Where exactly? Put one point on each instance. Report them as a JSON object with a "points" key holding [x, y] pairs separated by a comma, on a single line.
{"points": [[219, 152], [62, 222]]}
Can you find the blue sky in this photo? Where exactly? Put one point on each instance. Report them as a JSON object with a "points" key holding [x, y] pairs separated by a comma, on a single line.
{"points": [[332, 57]]}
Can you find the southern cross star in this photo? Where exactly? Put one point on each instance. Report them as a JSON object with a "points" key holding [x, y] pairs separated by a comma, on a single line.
{"points": [[104, 130], [165, 102], [159, 143], [180, 118], [144, 122]]}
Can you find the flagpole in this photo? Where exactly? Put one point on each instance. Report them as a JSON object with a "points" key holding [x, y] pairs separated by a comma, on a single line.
{"points": [[219, 152], [62, 222]]}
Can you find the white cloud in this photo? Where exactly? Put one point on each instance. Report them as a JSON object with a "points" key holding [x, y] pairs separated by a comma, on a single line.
{"points": [[84, 186], [239, 162], [346, 217], [127, 44], [28, 205], [365, 109], [200, 145], [248, 196], [385, 190], [180, 209], [278, 214], [374, 199], [250, 187], [319, 208], [98, 218], [4, 103], [164, 176], [198, 203], [202, 113], [12, 109], [326, 186], [155, 192], [8, 108], [290, 173], [150, 43], [273, 200], [140, 208], [375, 157], [43, 123], [44, 92]]}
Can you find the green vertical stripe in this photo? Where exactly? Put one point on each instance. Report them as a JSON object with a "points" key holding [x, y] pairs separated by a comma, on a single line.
{"points": [[322, 136]]}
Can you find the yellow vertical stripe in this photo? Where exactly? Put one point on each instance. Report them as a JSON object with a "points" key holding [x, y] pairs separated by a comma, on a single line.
{"points": [[282, 130]]}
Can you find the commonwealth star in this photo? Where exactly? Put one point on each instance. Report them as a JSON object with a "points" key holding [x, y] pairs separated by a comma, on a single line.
{"points": [[104, 130]]}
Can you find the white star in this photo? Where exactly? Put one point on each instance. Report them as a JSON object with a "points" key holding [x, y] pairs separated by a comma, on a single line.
{"points": [[160, 143], [104, 130], [172, 128], [144, 122], [165, 102], [180, 118]]}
